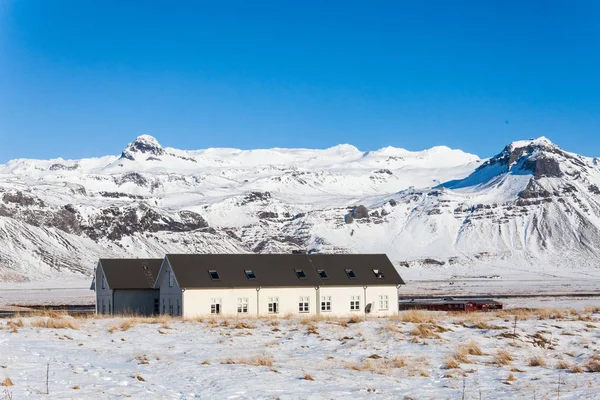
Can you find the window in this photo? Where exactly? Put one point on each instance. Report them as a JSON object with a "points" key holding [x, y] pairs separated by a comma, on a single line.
{"points": [[354, 303], [322, 273], [303, 304], [378, 273], [325, 303], [242, 305], [250, 274], [170, 278], [214, 275], [109, 306], [171, 307], [103, 283], [164, 307], [350, 273], [215, 306], [178, 308], [103, 308], [300, 274], [383, 302], [156, 306], [273, 305]]}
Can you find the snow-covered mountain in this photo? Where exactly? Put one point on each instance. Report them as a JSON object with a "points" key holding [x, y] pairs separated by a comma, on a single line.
{"points": [[531, 204]]}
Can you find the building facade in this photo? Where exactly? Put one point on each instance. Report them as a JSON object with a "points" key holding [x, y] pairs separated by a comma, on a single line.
{"points": [[126, 286], [261, 285]]}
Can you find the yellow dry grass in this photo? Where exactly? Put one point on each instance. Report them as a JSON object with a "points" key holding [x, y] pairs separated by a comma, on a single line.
{"points": [[537, 361], [307, 377], [418, 316], [428, 331], [502, 357], [592, 309], [55, 323], [256, 361], [592, 365], [7, 382]]}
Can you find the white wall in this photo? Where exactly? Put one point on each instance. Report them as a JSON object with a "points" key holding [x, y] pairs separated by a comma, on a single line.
{"points": [[197, 302], [341, 297], [103, 295], [170, 296]]}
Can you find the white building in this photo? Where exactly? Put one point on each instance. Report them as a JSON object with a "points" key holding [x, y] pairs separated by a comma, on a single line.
{"points": [[127, 286], [278, 285]]}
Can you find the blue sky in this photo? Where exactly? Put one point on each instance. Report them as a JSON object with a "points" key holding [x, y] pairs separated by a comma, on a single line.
{"points": [[81, 78]]}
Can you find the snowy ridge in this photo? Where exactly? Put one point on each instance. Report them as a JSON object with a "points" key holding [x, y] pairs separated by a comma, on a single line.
{"points": [[530, 206]]}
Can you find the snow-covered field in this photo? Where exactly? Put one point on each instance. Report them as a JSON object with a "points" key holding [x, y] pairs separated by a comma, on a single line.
{"points": [[307, 359]]}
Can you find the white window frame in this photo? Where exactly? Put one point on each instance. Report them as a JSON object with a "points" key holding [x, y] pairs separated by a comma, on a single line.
{"points": [[242, 305], [273, 305], [384, 302], [326, 303], [215, 306], [304, 304], [354, 303]]}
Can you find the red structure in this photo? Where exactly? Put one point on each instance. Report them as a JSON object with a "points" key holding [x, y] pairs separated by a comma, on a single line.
{"points": [[451, 304]]}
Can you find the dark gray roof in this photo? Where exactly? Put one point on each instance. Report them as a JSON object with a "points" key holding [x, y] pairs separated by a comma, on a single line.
{"points": [[131, 273], [362, 265], [278, 270]]}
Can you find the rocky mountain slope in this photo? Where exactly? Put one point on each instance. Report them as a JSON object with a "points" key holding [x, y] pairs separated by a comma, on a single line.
{"points": [[533, 204]]}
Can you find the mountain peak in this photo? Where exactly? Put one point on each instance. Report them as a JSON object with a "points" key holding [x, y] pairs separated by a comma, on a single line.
{"points": [[542, 141], [145, 144]]}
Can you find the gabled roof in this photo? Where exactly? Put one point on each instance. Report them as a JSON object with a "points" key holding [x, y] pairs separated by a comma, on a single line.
{"points": [[279, 270], [131, 273]]}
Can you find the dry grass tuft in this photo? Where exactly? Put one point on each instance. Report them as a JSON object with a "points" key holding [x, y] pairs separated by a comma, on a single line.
{"points": [[473, 348], [273, 322], [257, 361], [139, 378], [355, 319], [398, 362], [76, 387], [418, 316], [243, 325], [537, 361], [127, 324], [592, 309], [502, 357], [15, 325], [7, 382], [55, 323], [592, 365], [562, 364], [576, 369], [451, 363], [511, 378], [307, 377], [426, 331]]}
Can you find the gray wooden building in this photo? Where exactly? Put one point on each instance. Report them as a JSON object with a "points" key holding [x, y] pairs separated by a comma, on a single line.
{"points": [[126, 286]]}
